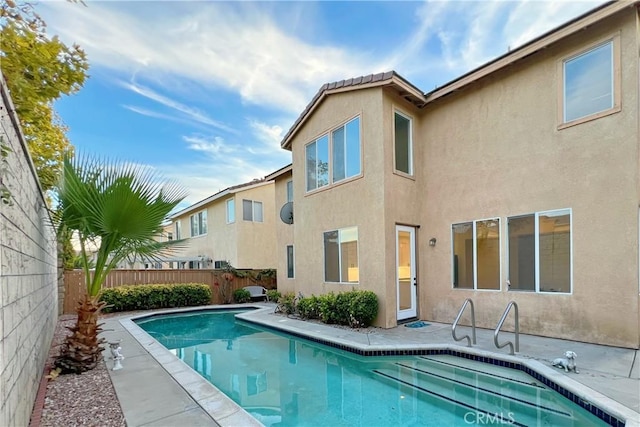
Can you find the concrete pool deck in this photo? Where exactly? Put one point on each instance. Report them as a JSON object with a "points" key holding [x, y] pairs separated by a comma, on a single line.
{"points": [[155, 388]]}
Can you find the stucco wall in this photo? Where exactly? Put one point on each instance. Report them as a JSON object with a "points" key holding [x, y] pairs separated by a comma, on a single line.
{"points": [[284, 234], [353, 202], [28, 279], [495, 150]]}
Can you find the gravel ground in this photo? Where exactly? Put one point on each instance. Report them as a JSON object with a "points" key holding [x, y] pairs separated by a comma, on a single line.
{"points": [[88, 399]]}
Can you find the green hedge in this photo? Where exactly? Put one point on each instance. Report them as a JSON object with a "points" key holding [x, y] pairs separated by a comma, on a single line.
{"points": [[241, 295], [355, 308], [147, 297]]}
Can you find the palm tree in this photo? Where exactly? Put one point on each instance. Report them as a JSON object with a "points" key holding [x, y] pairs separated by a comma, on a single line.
{"points": [[118, 208]]}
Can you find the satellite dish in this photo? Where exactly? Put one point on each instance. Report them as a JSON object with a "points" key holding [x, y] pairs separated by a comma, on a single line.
{"points": [[286, 213]]}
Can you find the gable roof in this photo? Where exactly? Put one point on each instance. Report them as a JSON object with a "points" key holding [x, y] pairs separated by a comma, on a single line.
{"points": [[420, 99], [220, 194], [283, 170], [390, 78]]}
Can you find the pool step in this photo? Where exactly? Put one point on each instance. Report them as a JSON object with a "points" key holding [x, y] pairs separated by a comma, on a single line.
{"points": [[515, 402]]}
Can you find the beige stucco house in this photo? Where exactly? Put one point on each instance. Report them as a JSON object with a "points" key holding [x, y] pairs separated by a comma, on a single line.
{"points": [[518, 181], [235, 225]]}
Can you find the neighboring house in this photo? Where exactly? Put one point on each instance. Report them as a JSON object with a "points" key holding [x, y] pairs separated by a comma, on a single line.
{"points": [[283, 180], [518, 181], [236, 225]]}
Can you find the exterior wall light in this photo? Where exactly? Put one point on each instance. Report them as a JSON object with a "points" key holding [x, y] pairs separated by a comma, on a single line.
{"points": [[432, 242]]}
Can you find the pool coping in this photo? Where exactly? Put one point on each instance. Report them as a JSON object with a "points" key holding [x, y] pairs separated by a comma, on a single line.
{"points": [[227, 413]]}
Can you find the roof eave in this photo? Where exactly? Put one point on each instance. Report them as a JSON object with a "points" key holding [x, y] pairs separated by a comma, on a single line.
{"points": [[577, 24]]}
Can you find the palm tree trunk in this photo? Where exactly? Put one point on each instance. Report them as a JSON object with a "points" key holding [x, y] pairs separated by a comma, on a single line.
{"points": [[81, 350]]}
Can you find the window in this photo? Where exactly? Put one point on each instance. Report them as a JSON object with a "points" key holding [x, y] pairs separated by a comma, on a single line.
{"points": [[589, 83], [220, 264], [169, 236], [252, 211], [198, 223], [341, 256], [403, 144], [476, 254], [290, 191], [231, 211], [178, 230], [540, 252], [290, 261], [344, 152]]}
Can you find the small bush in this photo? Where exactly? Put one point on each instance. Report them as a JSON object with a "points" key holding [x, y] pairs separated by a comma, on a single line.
{"points": [[273, 295], [147, 297], [363, 308], [287, 303], [328, 308], [241, 296], [309, 307]]}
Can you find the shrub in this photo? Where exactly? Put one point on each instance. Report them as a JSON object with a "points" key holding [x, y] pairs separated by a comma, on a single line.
{"points": [[241, 295], [309, 307], [328, 312], [273, 295], [363, 308], [287, 303], [147, 297]]}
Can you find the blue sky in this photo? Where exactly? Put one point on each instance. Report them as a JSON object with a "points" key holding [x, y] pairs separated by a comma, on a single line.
{"points": [[204, 91]]}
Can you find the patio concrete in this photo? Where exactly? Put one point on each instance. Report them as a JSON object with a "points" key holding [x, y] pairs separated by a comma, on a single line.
{"points": [[155, 388]]}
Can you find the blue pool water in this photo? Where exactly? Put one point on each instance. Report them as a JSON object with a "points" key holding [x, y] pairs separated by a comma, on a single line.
{"points": [[287, 381]]}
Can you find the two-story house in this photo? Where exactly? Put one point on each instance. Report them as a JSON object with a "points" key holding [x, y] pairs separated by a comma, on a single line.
{"points": [[235, 225], [518, 181]]}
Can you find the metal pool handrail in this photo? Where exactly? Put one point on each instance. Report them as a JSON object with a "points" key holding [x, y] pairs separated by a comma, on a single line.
{"points": [[466, 302], [517, 329]]}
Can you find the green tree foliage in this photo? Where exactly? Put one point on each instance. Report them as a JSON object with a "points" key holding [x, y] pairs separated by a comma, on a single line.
{"points": [[38, 70]]}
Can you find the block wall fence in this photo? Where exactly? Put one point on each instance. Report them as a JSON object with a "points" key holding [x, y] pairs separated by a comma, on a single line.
{"points": [[28, 275]]}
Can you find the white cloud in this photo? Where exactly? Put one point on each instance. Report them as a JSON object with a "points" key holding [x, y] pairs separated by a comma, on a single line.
{"points": [[214, 146], [269, 135], [232, 46]]}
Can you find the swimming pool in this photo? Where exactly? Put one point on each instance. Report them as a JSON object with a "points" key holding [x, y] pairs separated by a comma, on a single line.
{"points": [[285, 380]]}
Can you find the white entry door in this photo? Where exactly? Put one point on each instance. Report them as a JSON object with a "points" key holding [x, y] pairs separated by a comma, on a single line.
{"points": [[407, 284]]}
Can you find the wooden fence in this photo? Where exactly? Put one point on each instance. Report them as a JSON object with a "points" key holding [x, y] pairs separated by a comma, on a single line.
{"points": [[75, 286]]}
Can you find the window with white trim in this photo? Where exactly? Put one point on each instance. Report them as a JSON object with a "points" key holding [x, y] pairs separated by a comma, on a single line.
{"points": [[231, 211], [589, 83], [290, 270], [341, 256], [198, 223], [540, 254], [178, 230], [403, 144], [331, 160], [476, 254], [252, 210], [290, 191]]}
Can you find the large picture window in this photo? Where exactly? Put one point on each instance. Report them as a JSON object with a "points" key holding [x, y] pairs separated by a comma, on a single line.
{"points": [[341, 256], [403, 144], [476, 254], [252, 211], [589, 83], [198, 223], [540, 252], [331, 160]]}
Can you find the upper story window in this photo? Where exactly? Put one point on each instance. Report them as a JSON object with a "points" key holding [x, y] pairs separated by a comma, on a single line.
{"points": [[198, 223], [476, 254], [178, 230], [590, 84], [169, 236], [341, 256], [403, 144], [290, 191], [231, 211], [252, 211], [331, 160]]}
